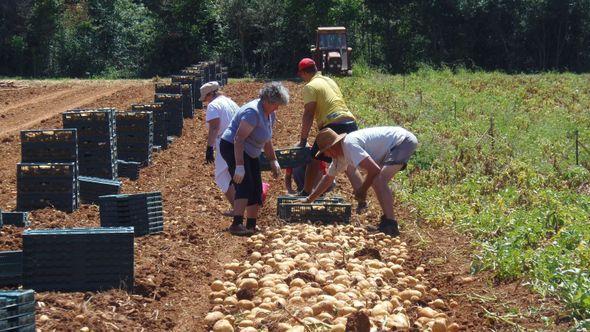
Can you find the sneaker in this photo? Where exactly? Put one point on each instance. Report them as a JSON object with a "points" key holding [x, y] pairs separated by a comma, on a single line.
{"points": [[389, 228], [238, 229], [386, 226]]}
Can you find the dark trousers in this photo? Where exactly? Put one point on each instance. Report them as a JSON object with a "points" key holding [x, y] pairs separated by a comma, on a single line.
{"points": [[251, 186]]}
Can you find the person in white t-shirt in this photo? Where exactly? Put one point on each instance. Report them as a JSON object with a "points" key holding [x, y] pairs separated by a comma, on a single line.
{"points": [[380, 151], [220, 111]]}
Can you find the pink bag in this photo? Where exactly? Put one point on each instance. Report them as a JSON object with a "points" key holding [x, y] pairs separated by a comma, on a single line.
{"points": [[265, 188]]}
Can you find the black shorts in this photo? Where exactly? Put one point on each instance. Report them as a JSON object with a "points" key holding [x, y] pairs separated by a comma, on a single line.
{"points": [[339, 128], [251, 186]]}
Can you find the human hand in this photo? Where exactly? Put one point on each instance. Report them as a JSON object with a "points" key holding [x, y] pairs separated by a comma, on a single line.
{"points": [[239, 174], [275, 168], [302, 143], [304, 200], [209, 155]]}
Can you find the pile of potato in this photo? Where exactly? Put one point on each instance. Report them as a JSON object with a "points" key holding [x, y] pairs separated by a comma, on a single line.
{"points": [[308, 278]]}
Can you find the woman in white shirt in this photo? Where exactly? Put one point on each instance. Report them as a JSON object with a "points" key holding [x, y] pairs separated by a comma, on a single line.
{"points": [[220, 110]]}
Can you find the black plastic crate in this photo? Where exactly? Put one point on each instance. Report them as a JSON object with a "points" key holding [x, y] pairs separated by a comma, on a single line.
{"points": [[18, 219], [15, 297], [97, 140], [282, 200], [135, 136], [55, 145], [173, 88], [83, 259], [173, 108], [129, 169], [187, 101], [288, 158], [17, 323], [142, 211], [197, 81], [11, 268], [91, 188], [17, 310], [159, 117], [41, 185], [326, 213]]}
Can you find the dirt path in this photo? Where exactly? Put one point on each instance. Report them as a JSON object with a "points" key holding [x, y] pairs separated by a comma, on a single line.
{"points": [[26, 114], [173, 270]]}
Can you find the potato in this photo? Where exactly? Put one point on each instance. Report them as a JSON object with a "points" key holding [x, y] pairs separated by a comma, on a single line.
{"points": [[427, 312], [409, 293], [249, 329], [245, 305], [454, 327], [246, 323], [322, 306], [223, 326], [298, 328], [437, 304], [399, 321], [440, 325], [217, 286], [248, 283]]}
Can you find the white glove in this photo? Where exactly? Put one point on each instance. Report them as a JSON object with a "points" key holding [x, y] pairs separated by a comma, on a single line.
{"points": [[239, 174], [275, 168]]}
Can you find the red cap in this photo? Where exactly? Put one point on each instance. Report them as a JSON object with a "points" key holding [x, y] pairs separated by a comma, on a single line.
{"points": [[306, 63]]}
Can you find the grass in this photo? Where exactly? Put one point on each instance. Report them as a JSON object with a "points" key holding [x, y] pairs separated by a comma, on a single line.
{"points": [[496, 160]]}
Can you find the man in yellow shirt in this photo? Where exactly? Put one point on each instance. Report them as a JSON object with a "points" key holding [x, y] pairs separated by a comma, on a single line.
{"points": [[323, 101]]}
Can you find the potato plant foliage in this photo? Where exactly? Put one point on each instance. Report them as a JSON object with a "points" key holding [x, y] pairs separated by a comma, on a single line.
{"points": [[497, 160]]}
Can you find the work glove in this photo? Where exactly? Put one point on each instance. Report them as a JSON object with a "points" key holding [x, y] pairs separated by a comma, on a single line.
{"points": [[275, 168], [239, 174], [209, 156]]}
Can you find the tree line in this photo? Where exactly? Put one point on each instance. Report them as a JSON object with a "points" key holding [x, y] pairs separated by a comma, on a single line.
{"points": [[142, 38]]}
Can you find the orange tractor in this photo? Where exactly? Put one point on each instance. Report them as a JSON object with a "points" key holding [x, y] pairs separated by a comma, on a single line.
{"points": [[331, 52]]}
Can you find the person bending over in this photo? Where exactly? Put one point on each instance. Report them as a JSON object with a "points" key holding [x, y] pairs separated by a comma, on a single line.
{"points": [[380, 151]]}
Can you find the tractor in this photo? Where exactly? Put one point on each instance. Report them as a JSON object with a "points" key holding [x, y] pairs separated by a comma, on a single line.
{"points": [[331, 52]]}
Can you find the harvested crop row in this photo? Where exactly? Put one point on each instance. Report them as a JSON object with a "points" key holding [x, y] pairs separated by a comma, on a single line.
{"points": [[307, 278]]}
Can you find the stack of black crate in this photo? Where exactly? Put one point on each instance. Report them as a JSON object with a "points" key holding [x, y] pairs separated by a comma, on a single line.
{"points": [[224, 76], [198, 81], [188, 86], [171, 96], [11, 268], [41, 185], [159, 119], [142, 211], [135, 136], [97, 141], [39, 147], [17, 310], [78, 259]]}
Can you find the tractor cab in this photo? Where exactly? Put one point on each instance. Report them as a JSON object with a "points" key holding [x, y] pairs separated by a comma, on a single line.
{"points": [[331, 52]]}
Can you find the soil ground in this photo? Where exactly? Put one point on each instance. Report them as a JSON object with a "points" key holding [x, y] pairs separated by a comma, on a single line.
{"points": [[173, 270]]}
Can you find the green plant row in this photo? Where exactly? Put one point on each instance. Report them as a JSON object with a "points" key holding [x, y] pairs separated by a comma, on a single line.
{"points": [[497, 160]]}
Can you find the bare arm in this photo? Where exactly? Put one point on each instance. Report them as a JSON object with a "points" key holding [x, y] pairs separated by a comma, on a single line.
{"points": [[324, 184], [213, 131], [269, 151], [373, 170], [289, 183], [306, 122], [244, 130]]}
